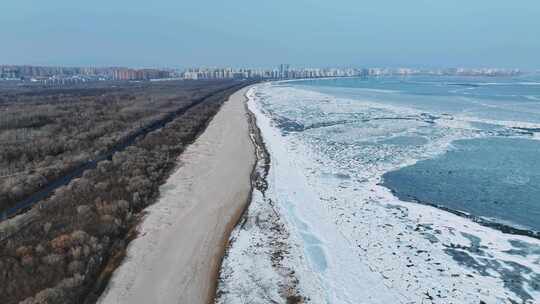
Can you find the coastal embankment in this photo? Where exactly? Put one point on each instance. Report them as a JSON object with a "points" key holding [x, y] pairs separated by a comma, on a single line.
{"points": [[177, 254]]}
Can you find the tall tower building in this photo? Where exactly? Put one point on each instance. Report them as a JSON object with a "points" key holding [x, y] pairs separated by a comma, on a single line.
{"points": [[284, 71]]}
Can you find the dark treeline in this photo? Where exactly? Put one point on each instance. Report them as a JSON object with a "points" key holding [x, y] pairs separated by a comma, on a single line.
{"points": [[78, 236]]}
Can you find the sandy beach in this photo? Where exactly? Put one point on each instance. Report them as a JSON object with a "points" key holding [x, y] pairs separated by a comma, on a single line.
{"points": [[176, 257]]}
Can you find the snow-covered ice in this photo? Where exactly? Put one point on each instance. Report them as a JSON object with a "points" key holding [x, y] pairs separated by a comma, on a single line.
{"points": [[344, 238]]}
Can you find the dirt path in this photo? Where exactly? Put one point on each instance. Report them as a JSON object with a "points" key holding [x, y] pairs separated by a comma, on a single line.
{"points": [[176, 257]]}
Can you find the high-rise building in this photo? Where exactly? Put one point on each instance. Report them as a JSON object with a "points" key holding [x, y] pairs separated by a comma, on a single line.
{"points": [[284, 71]]}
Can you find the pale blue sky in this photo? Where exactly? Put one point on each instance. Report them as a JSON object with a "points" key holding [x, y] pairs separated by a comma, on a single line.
{"points": [[137, 33]]}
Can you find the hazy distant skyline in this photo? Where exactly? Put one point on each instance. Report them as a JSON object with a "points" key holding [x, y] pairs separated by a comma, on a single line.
{"points": [[420, 33]]}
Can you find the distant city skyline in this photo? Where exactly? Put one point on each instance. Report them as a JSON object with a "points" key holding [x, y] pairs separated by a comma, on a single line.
{"points": [[58, 76], [167, 33]]}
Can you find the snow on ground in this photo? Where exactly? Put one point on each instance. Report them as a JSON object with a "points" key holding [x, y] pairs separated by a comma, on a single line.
{"points": [[345, 240]]}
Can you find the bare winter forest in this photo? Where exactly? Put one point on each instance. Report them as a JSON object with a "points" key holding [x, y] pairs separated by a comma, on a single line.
{"points": [[65, 248]]}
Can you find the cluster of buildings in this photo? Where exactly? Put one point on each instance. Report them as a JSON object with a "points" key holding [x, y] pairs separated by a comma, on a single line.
{"points": [[143, 74], [443, 72], [71, 75], [284, 71], [486, 72]]}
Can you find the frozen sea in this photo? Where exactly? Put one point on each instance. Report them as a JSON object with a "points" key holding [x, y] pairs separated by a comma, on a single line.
{"points": [[393, 190]]}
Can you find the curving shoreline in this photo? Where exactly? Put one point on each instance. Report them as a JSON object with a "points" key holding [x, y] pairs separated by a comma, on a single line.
{"points": [[338, 230], [182, 239]]}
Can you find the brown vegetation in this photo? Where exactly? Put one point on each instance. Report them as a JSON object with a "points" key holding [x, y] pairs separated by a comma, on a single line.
{"points": [[79, 235], [45, 133]]}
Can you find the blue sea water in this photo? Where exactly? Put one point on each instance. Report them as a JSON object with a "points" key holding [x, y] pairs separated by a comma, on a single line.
{"points": [[490, 177], [507, 99], [470, 144]]}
